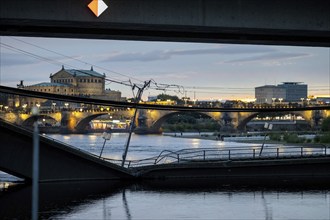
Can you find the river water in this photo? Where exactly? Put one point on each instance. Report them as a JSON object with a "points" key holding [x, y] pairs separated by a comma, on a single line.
{"points": [[117, 200]]}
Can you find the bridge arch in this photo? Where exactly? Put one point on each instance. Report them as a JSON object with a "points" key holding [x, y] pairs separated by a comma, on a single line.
{"points": [[29, 121], [156, 125], [241, 126], [83, 123]]}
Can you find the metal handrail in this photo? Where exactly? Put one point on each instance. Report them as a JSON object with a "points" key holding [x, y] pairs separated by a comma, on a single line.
{"points": [[211, 154]]}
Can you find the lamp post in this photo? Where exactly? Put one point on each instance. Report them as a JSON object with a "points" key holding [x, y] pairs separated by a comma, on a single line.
{"points": [[280, 99], [24, 108], [54, 106], [273, 99], [106, 136]]}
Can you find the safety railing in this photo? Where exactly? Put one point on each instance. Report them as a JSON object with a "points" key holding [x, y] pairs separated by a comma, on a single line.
{"points": [[232, 154]]}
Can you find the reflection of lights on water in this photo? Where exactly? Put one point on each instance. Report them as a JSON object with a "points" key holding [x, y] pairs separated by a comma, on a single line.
{"points": [[66, 137], [195, 143], [308, 151], [220, 144], [92, 137]]}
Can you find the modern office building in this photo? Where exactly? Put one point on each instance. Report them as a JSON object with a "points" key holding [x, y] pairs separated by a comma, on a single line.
{"points": [[269, 93], [286, 92], [295, 91]]}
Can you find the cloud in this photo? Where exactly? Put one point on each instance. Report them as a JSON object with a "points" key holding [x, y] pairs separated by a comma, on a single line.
{"points": [[168, 54], [138, 56], [9, 59], [274, 57]]}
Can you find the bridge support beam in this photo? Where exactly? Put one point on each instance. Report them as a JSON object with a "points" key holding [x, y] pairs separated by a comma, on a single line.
{"points": [[291, 22], [58, 162]]}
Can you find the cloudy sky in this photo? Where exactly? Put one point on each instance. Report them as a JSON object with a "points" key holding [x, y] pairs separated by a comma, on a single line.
{"points": [[205, 71]]}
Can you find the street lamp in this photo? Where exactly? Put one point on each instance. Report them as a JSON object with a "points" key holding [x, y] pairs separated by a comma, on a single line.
{"points": [[106, 136], [280, 99], [24, 107], [54, 106], [267, 126], [66, 105], [273, 101]]}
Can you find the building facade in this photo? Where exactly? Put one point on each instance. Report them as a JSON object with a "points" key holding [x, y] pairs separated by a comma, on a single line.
{"points": [[84, 83], [268, 94], [286, 92], [295, 91]]}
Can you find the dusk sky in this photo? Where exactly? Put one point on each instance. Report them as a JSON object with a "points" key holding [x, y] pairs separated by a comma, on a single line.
{"points": [[206, 71]]}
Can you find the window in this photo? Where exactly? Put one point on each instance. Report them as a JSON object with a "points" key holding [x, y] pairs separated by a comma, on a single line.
{"points": [[84, 80], [88, 80], [100, 81]]}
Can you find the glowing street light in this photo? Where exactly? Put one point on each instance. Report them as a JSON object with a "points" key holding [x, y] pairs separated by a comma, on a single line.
{"points": [[280, 99], [24, 107], [54, 105]]}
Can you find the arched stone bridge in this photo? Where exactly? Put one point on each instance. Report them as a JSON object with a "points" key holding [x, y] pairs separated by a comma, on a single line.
{"points": [[151, 120], [148, 121], [67, 121]]}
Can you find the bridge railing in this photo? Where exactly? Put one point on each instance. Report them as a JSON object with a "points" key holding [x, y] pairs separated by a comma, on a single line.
{"points": [[214, 155]]}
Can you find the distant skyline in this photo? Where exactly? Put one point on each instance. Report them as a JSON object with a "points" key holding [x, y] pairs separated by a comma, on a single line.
{"points": [[206, 71]]}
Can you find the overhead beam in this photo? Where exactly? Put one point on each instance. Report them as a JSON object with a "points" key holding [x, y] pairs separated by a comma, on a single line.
{"points": [[290, 22]]}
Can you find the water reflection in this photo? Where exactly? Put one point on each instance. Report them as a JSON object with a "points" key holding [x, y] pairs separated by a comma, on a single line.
{"points": [[268, 210], [55, 198], [128, 214], [113, 200]]}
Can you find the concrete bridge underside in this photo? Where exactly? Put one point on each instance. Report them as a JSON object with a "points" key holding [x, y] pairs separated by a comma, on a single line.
{"points": [[291, 22], [58, 162]]}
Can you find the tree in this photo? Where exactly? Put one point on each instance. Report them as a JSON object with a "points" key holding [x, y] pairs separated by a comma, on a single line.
{"points": [[326, 124]]}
